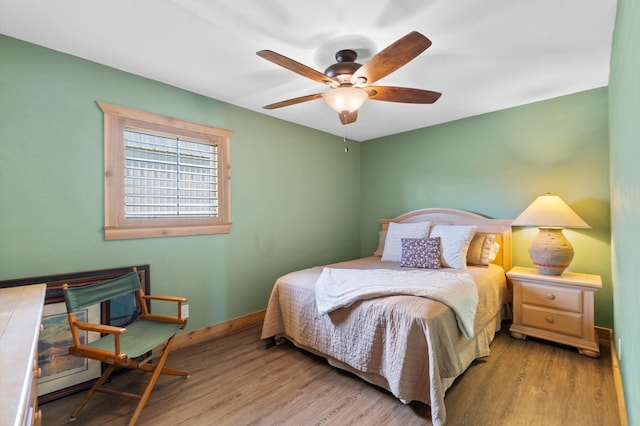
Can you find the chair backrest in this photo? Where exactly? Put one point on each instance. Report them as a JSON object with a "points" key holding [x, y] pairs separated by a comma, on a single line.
{"points": [[81, 297]]}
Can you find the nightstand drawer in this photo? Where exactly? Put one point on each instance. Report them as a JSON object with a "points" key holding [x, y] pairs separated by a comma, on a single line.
{"points": [[560, 322], [553, 297]]}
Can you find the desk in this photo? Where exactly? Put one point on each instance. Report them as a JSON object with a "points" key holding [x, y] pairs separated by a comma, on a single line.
{"points": [[20, 316]]}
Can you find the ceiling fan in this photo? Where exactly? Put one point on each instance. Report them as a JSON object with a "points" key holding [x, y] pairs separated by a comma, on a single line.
{"points": [[350, 82]]}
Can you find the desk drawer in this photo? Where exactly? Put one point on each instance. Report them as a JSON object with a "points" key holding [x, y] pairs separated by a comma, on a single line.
{"points": [[546, 319], [553, 297]]}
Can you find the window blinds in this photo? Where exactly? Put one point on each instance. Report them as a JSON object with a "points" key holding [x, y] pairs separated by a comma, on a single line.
{"points": [[169, 177]]}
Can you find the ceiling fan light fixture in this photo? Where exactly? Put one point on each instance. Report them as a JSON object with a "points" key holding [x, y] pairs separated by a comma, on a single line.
{"points": [[343, 99], [351, 82]]}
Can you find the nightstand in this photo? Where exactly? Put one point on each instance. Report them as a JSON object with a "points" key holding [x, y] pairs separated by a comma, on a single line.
{"points": [[555, 307]]}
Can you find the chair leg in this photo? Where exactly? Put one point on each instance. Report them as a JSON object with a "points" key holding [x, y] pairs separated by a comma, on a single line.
{"points": [[92, 391], [155, 370], [159, 367], [170, 371]]}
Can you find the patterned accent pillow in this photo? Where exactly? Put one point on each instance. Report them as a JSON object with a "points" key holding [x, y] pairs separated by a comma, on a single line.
{"points": [[421, 253]]}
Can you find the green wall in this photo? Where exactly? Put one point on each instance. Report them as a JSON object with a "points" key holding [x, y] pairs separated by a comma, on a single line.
{"points": [[624, 119], [496, 164], [297, 198], [295, 192]]}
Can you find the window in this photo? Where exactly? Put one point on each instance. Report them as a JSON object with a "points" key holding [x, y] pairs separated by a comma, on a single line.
{"points": [[163, 176]]}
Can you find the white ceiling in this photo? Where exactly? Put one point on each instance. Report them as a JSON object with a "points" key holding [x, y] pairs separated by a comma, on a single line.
{"points": [[486, 55]]}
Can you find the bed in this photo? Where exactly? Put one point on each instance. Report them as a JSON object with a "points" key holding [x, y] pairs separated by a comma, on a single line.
{"points": [[414, 347]]}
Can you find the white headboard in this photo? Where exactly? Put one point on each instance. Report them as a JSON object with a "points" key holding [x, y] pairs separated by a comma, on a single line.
{"points": [[501, 228]]}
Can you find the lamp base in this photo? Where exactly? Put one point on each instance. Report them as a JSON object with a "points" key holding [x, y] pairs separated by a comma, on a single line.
{"points": [[551, 252]]}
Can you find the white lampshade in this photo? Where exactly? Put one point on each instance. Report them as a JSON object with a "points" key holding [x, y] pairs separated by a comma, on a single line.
{"points": [[549, 211], [343, 99], [551, 252]]}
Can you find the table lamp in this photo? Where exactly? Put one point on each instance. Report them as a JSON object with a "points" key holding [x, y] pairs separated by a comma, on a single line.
{"points": [[550, 251]]}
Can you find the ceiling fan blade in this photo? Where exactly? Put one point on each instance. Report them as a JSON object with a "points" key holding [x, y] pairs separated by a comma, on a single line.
{"points": [[293, 101], [391, 58], [296, 67], [348, 117], [402, 94]]}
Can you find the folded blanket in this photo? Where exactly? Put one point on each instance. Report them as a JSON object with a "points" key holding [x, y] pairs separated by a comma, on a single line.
{"points": [[339, 288]]}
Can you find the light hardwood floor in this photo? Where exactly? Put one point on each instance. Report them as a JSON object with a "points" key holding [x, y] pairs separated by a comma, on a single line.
{"points": [[236, 380]]}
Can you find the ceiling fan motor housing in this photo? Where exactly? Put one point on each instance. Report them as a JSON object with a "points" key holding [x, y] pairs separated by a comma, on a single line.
{"points": [[345, 67]]}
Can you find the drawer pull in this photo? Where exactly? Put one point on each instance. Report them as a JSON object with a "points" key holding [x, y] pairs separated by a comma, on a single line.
{"points": [[549, 319], [550, 296]]}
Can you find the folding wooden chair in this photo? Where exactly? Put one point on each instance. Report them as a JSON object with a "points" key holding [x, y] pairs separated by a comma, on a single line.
{"points": [[123, 347]]}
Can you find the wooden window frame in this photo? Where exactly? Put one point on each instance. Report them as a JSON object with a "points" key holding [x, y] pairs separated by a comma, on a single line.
{"points": [[117, 226]]}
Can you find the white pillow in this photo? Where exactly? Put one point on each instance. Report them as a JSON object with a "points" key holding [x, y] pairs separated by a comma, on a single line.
{"points": [[455, 243], [381, 237], [493, 253], [392, 251]]}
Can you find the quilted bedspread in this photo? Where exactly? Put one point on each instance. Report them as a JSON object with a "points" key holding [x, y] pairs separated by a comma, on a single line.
{"points": [[410, 345], [340, 288]]}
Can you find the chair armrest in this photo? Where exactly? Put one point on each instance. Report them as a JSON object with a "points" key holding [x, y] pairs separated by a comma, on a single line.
{"points": [[166, 298], [166, 318], [100, 328], [115, 356]]}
